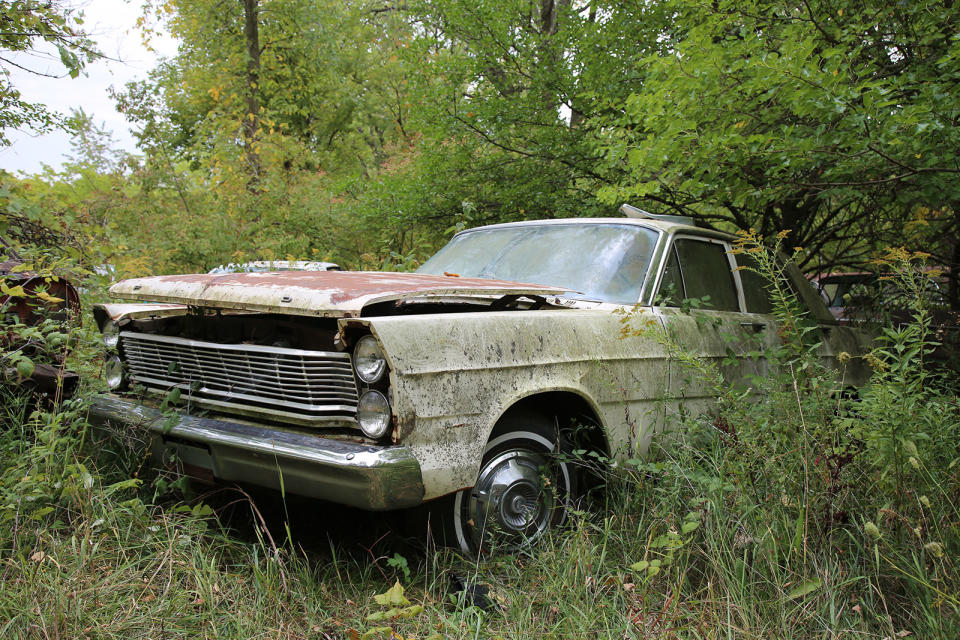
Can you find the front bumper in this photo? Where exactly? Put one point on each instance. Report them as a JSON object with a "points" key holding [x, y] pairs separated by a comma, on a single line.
{"points": [[376, 478]]}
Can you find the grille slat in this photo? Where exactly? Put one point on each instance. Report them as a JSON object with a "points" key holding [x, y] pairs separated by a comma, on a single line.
{"points": [[312, 384], [213, 357], [161, 364]]}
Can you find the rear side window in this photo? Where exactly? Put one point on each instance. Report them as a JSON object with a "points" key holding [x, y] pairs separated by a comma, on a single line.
{"points": [[755, 286], [705, 270]]}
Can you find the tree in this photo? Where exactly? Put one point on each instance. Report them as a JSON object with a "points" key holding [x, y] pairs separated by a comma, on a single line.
{"points": [[251, 118], [93, 145], [301, 83], [32, 30], [834, 120], [500, 89]]}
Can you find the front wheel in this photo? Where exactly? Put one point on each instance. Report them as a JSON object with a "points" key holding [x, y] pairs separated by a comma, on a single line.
{"points": [[523, 490]]}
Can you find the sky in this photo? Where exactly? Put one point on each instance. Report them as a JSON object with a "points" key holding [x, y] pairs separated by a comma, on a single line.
{"points": [[112, 25]]}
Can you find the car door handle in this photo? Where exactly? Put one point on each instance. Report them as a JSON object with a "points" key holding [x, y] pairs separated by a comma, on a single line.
{"points": [[756, 326]]}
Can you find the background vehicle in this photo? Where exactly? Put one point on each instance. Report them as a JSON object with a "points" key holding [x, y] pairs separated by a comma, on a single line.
{"points": [[29, 299], [261, 266], [872, 299]]}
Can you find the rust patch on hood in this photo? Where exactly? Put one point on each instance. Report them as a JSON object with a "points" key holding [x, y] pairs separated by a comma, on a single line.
{"points": [[326, 293]]}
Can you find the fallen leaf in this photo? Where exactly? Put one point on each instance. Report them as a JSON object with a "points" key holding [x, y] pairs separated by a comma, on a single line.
{"points": [[392, 597]]}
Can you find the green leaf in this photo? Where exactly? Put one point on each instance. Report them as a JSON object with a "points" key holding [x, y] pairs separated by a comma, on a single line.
{"points": [[16, 292], [377, 616], [70, 61], [41, 512], [130, 483], [174, 396], [689, 526], [171, 421], [25, 367], [202, 510], [392, 597], [411, 611], [804, 588]]}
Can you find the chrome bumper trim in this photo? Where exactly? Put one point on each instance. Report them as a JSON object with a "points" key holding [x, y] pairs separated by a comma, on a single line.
{"points": [[377, 478]]}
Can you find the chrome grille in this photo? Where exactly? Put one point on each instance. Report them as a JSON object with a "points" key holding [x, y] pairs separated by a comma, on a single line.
{"points": [[286, 384]]}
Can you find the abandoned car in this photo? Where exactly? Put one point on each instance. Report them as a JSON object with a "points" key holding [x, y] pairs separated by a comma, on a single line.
{"points": [[388, 390]]}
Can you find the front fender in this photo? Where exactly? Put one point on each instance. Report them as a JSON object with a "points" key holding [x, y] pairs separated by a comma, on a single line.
{"points": [[454, 375]]}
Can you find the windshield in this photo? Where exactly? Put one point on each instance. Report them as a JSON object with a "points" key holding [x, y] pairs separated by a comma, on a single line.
{"points": [[599, 261]]}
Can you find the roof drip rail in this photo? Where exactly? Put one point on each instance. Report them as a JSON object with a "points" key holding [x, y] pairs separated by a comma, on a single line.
{"points": [[635, 212]]}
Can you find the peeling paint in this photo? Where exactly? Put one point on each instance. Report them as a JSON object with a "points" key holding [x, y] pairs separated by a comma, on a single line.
{"points": [[323, 293]]}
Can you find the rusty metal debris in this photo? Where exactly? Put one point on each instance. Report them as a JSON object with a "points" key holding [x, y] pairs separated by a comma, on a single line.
{"points": [[43, 297]]}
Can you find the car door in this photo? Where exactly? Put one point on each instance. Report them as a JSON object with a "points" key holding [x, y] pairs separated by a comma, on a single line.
{"points": [[713, 313]]}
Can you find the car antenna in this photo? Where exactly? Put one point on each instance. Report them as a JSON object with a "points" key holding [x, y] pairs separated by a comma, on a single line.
{"points": [[635, 212]]}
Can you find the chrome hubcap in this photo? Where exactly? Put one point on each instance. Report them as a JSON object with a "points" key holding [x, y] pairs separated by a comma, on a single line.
{"points": [[511, 498]]}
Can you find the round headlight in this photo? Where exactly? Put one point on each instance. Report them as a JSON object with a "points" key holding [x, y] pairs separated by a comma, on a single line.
{"points": [[111, 334], [373, 414], [368, 359], [113, 372]]}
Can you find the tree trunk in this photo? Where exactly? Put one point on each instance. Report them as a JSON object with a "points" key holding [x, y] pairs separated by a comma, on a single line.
{"points": [[576, 115], [953, 284], [549, 56], [251, 120]]}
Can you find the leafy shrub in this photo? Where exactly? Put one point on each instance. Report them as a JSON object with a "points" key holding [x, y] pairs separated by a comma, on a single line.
{"points": [[820, 509]]}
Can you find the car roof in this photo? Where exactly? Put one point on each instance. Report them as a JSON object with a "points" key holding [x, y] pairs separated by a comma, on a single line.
{"points": [[276, 265], [664, 226]]}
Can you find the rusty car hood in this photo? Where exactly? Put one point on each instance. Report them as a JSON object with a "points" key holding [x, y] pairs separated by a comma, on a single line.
{"points": [[320, 293]]}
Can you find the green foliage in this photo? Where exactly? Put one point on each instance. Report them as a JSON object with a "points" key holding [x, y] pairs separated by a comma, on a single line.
{"points": [[829, 119], [380, 131], [504, 79], [329, 89], [27, 28], [814, 495]]}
